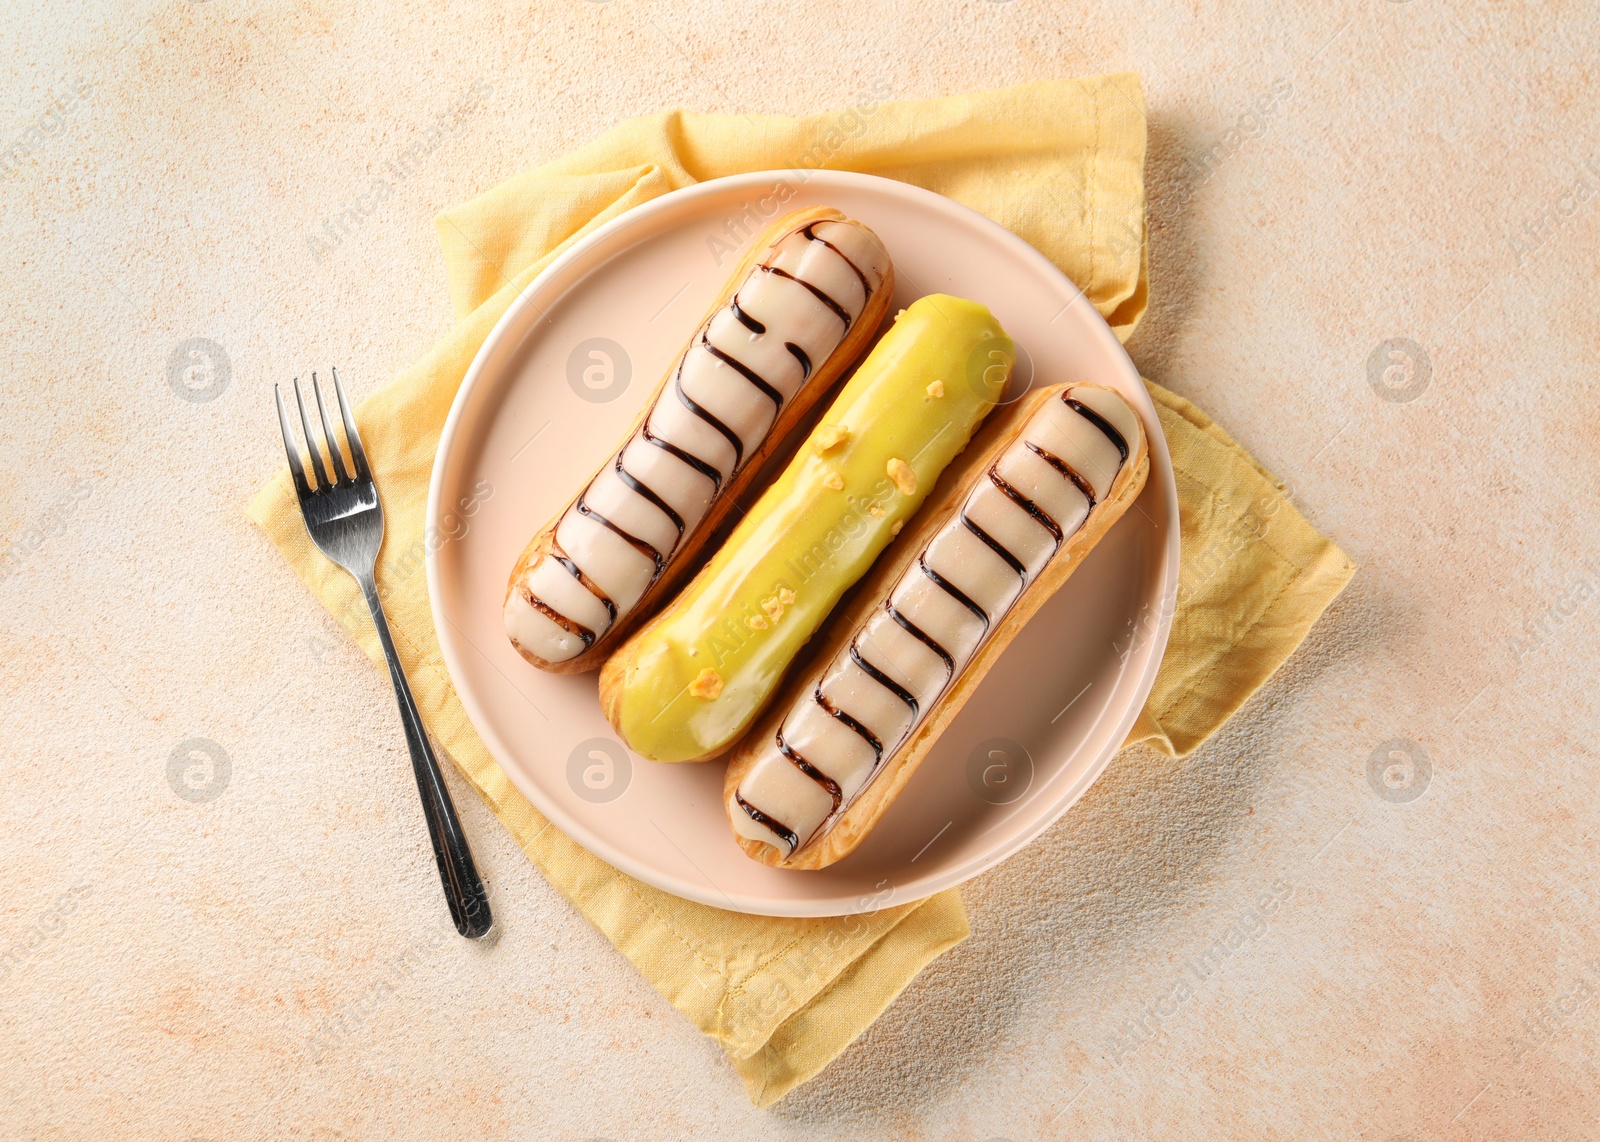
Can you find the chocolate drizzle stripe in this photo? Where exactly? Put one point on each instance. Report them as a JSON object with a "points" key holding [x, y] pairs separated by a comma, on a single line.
{"points": [[558, 618], [588, 584], [729, 434], [953, 591], [885, 681], [745, 319], [841, 716], [783, 831], [1065, 469], [638, 544], [801, 356], [1099, 422], [635, 484], [810, 770], [821, 295], [995, 545], [810, 232], [921, 636], [671, 449], [1024, 502], [746, 372]]}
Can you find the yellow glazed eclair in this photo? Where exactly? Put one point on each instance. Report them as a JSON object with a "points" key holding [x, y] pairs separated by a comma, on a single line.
{"points": [[691, 681], [843, 738], [804, 303]]}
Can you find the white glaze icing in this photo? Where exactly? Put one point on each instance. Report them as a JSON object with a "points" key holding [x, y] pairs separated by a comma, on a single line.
{"points": [[722, 391], [560, 590], [777, 785], [630, 511], [614, 564], [685, 491], [712, 372], [528, 627]]}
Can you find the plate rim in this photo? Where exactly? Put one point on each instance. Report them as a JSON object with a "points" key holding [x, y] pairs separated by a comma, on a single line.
{"points": [[799, 907]]}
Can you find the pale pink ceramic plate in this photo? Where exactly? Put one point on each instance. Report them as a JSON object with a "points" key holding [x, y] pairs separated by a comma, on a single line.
{"points": [[551, 392]]}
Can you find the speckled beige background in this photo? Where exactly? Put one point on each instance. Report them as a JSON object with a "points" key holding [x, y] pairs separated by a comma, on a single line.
{"points": [[1249, 944]]}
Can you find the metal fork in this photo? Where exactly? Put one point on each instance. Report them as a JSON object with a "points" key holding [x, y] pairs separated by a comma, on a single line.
{"points": [[345, 520]]}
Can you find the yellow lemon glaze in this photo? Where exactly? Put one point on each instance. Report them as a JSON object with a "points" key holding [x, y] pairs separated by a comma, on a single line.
{"points": [[767, 590]]}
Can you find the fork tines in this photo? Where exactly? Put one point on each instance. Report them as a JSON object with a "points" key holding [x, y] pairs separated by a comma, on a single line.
{"points": [[358, 455]]}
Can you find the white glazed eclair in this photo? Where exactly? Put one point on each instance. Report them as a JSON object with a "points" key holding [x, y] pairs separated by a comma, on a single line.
{"points": [[813, 777], [804, 303]]}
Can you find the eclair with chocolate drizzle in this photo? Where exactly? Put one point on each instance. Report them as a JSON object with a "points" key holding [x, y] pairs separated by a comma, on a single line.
{"points": [[1041, 488], [803, 304]]}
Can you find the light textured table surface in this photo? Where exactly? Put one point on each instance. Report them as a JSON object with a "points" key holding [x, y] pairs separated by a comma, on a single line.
{"points": [[273, 960]]}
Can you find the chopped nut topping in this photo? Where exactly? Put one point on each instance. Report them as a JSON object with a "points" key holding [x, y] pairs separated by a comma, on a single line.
{"points": [[875, 511], [785, 596], [756, 622], [902, 475], [773, 607], [706, 684], [827, 437], [936, 390], [898, 524], [833, 480]]}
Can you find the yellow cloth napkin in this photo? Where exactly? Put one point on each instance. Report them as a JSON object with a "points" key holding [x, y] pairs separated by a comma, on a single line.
{"points": [[1060, 163]]}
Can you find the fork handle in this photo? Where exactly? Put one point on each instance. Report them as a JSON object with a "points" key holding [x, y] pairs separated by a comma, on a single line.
{"points": [[463, 887]]}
